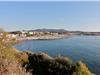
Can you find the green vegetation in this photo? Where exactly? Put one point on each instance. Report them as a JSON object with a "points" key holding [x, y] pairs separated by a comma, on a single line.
{"points": [[9, 64], [14, 62], [42, 64]]}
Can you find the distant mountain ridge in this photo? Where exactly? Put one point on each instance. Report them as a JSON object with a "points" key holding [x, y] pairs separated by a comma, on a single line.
{"points": [[62, 31], [49, 30]]}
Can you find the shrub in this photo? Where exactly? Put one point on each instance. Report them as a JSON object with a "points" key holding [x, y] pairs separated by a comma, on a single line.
{"points": [[9, 64], [42, 64]]}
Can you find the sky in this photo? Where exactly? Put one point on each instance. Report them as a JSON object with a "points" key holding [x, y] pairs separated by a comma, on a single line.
{"points": [[80, 16]]}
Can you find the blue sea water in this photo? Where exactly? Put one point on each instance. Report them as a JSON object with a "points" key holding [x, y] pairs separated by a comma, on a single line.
{"points": [[85, 48]]}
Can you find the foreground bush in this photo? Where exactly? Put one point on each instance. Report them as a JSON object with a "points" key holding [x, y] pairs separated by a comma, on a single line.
{"points": [[42, 64]]}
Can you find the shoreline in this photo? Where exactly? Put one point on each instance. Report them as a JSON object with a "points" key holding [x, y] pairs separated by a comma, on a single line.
{"points": [[21, 39], [42, 37]]}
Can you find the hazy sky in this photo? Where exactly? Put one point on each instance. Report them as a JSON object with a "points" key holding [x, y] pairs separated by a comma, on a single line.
{"points": [[84, 16]]}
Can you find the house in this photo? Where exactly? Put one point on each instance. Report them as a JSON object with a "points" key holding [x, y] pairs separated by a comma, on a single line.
{"points": [[31, 33], [14, 34]]}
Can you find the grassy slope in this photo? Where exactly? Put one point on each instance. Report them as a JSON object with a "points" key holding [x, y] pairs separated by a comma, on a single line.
{"points": [[9, 64]]}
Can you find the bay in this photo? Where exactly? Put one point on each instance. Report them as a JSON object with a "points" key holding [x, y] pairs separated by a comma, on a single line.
{"points": [[84, 48]]}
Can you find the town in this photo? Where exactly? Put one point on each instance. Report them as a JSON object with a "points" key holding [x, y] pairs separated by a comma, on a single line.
{"points": [[30, 35], [46, 34]]}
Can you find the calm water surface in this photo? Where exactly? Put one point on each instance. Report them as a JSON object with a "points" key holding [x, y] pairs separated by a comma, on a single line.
{"points": [[85, 48]]}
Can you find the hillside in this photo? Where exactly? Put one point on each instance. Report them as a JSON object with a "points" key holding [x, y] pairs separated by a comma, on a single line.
{"points": [[50, 30]]}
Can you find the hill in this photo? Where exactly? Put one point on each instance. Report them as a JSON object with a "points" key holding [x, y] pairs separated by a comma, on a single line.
{"points": [[50, 30]]}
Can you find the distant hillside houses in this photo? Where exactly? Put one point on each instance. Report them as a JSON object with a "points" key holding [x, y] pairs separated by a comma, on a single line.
{"points": [[17, 34], [39, 33], [30, 33]]}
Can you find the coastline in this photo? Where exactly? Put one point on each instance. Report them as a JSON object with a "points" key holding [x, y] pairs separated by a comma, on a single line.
{"points": [[42, 37]]}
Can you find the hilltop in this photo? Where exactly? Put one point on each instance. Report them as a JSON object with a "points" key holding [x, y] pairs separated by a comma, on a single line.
{"points": [[50, 30]]}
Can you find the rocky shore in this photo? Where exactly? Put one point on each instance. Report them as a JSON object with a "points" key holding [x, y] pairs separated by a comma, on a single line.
{"points": [[41, 37]]}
